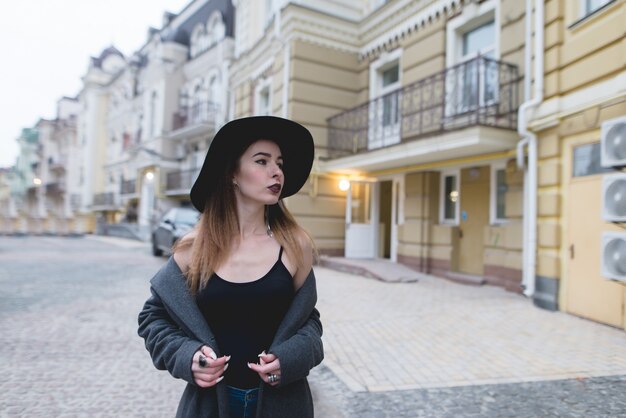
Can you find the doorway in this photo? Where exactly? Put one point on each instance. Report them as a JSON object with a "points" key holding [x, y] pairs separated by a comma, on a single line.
{"points": [[474, 217], [360, 220], [385, 220], [589, 294]]}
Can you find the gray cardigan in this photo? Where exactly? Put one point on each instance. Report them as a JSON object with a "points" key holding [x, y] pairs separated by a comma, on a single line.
{"points": [[174, 329]]}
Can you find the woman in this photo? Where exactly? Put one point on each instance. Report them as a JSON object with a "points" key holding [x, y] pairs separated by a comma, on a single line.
{"points": [[233, 311]]}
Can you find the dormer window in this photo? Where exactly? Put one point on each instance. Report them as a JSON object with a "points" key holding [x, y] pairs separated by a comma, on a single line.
{"points": [[215, 28], [198, 40]]}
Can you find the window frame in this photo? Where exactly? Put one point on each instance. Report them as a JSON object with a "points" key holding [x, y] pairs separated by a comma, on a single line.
{"points": [[386, 61], [471, 18], [456, 173], [265, 84], [584, 11], [493, 194]]}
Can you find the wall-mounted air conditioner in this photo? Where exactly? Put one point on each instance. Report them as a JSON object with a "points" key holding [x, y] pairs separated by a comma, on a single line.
{"points": [[613, 142], [613, 255], [614, 197]]}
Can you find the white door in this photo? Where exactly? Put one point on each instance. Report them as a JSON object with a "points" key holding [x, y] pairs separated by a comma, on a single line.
{"points": [[361, 238]]}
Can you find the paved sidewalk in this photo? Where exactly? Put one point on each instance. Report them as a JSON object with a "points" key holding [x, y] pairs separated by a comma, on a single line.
{"points": [[436, 333], [432, 348]]}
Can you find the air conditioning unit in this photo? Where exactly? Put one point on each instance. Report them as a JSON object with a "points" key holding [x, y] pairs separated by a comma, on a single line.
{"points": [[613, 257], [613, 142], [614, 197]]}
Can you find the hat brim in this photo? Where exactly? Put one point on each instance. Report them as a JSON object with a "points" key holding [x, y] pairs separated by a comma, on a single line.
{"points": [[295, 142]]}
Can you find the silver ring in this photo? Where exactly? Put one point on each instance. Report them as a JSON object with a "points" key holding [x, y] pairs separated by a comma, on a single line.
{"points": [[202, 361], [272, 378]]}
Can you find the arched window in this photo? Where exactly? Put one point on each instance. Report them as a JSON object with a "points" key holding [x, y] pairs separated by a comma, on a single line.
{"points": [[197, 41], [214, 90], [215, 28]]}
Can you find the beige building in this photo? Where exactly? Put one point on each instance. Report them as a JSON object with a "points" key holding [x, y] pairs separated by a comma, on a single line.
{"points": [[57, 170], [415, 105], [463, 138], [584, 96], [22, 183], [446, 133]]}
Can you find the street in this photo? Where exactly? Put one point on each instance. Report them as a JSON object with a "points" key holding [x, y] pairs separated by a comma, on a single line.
{"points": [[69, 346]]}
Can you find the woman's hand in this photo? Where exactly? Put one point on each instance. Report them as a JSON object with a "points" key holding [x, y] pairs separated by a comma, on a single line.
{"points": [[207, 369], [268, 368]]}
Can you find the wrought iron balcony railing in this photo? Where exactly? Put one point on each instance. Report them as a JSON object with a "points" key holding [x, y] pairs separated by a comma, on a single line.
{"points": [[56, 187], [180, 180], [481, 91], [104, 199], [202, 113]]}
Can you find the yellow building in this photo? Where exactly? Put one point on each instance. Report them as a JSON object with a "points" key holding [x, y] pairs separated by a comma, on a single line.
{"points": [[415, 103], [584, 88], [451, 126]]}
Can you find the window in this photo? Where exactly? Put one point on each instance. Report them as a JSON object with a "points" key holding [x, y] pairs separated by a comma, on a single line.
{"points": [[590, 6], [215, 28], [197, 40], [263, 98], [214, 90], [389, 79], [449, 211], [384, 108], [587, 161], [153, 112], [499, 189], [472, 51]]}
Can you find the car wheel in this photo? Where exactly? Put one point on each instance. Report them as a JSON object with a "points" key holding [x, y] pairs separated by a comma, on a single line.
{"points": [[155, 249]]}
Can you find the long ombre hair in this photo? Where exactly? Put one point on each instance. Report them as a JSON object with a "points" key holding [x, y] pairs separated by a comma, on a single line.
{"points": [[218, 228]]}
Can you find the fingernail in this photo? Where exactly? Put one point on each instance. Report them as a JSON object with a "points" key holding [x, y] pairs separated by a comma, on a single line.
{"points": [[226, 367], [249, 366], [227, 358], [220, 379]]}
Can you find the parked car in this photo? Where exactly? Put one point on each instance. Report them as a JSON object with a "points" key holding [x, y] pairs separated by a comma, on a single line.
{"points": [[174, 224]]}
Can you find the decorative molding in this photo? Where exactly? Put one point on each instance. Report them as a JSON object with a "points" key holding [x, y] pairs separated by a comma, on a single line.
{"points": [[401, 20]]}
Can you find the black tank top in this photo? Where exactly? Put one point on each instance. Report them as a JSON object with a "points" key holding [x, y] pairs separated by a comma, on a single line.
{"points": [[244, 318]]}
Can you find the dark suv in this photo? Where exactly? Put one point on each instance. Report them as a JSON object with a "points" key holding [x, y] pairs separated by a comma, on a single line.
{"points": [[176, 223]]}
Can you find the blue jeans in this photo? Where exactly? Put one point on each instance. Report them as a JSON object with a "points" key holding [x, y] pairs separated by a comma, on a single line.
{"points": [[242, 402]]}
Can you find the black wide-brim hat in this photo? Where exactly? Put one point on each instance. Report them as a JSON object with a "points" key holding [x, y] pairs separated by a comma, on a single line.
{"points": [[295, 142]]}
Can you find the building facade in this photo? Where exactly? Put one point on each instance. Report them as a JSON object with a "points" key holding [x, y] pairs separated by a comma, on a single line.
{"points": [[461, 138], [584, 90]]}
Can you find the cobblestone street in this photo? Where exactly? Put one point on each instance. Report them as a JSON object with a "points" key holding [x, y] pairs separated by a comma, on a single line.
{"points": [[69, 347]]}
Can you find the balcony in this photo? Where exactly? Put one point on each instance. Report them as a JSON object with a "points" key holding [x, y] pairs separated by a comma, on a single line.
{"points": [[478, 92], [180, 182], [58, 164], [128, 187], [197, 119], [105, 201], [55, 188]]}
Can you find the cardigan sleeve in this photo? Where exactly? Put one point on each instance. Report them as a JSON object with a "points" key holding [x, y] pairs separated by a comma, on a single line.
{"points": [[302, 351], [169, 346]]}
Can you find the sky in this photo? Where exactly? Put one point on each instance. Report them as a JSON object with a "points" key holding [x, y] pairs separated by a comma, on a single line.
{"points": [[45, 48]]}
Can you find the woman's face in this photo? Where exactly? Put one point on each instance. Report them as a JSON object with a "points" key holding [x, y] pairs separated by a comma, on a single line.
{"points": [[260, 176]]}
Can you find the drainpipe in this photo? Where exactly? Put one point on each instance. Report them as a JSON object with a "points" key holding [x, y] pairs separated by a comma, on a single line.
{"points": [[529, 139]]}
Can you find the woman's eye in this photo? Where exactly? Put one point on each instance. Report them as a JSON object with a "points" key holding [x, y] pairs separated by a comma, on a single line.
{"points": [[280, 165], [262, 162]]}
